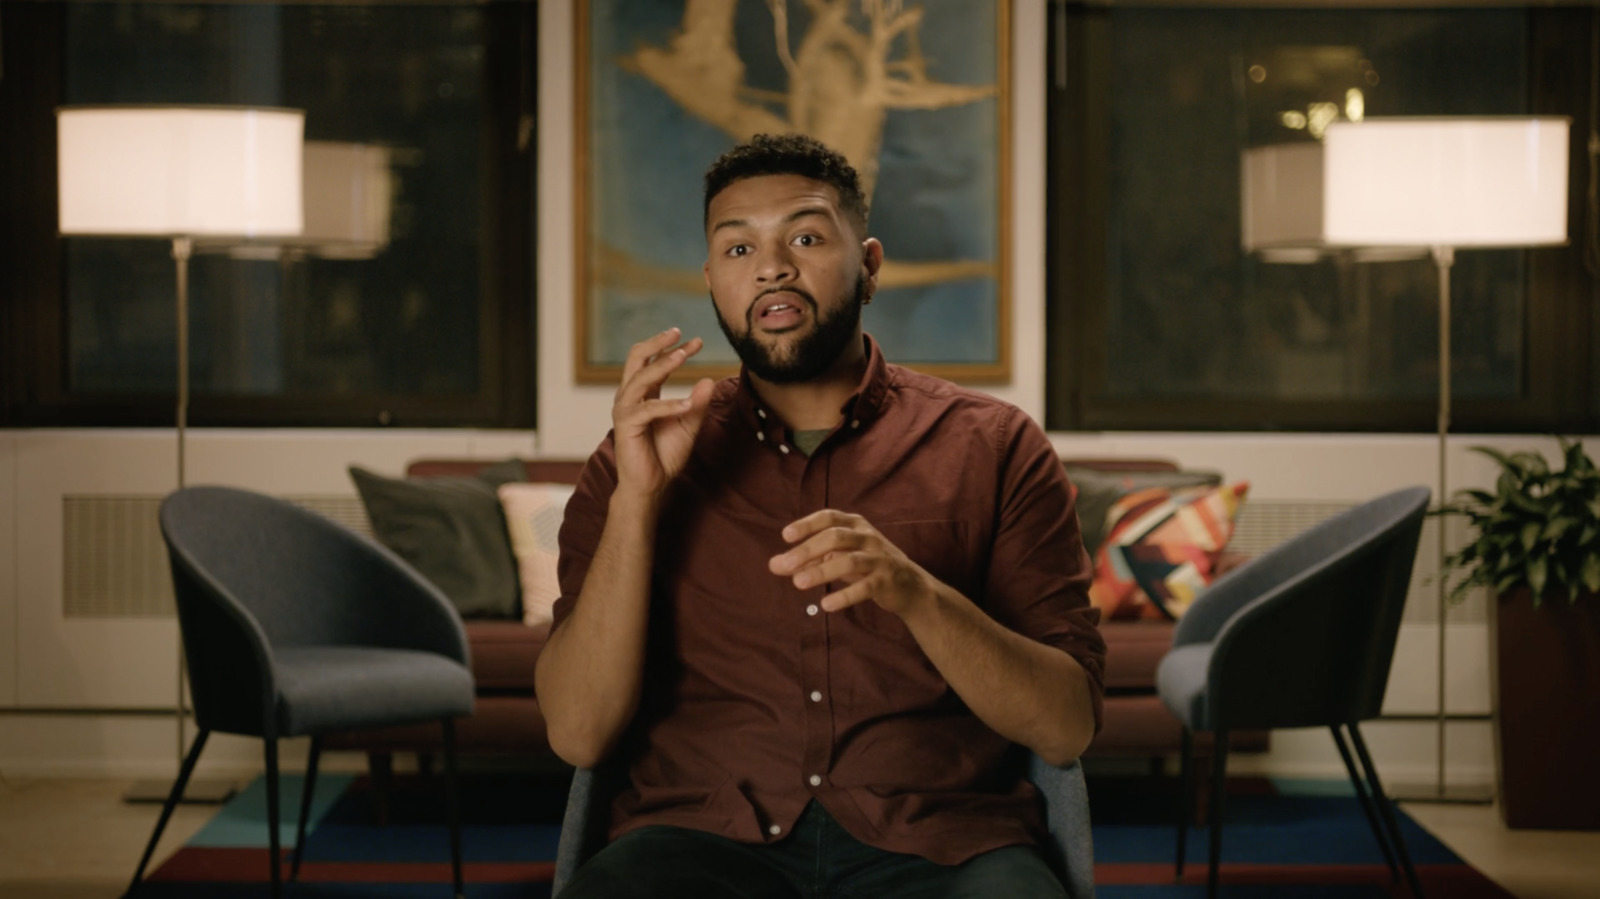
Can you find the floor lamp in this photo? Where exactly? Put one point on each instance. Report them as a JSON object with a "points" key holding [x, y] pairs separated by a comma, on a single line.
{"points": [[180, 173], [1430, 184]]}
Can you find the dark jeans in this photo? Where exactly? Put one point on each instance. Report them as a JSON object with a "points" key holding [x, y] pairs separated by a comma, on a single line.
{"points": [[818, 860]]}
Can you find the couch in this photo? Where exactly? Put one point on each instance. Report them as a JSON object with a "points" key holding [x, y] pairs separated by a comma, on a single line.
{"points": [[507, 719]]}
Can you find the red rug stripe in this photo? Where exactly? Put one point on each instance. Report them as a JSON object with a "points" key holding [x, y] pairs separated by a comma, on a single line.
{"points": [[199, 865], [1448, 880]]}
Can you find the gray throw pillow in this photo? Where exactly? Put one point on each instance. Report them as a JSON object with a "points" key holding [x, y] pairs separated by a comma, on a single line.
{"points": [[1099, 490], [451, 530]]}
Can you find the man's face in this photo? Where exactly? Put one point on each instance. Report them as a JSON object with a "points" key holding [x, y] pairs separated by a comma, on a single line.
{"points": [[788, 275]]}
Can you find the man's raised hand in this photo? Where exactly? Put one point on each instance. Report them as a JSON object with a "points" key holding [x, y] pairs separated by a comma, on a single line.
{"points": [[653, 436]]}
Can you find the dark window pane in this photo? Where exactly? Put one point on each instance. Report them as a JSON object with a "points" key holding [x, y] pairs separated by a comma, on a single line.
{"points": [[406, 321]]}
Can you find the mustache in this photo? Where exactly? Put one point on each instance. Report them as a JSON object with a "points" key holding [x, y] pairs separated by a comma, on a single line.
{"points": [[750, 311]]}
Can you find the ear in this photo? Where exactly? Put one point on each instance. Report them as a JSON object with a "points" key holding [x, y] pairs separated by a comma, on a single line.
{"points": [[871, 263], [705, 272]]}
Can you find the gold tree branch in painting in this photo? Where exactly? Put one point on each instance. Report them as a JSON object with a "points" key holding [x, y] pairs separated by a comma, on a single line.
{"points": [[841, 81]]}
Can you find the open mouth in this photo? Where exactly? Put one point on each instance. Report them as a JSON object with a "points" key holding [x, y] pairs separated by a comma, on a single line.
{"points": [[779, 310]]}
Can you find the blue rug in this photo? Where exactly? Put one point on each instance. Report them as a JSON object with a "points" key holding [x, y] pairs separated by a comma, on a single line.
{"points": [[1281, 838]]}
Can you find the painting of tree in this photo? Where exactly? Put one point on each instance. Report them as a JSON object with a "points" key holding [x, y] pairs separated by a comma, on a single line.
{"points": [[913, 94]]}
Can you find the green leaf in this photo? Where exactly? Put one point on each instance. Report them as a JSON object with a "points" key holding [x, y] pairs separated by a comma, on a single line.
{"points": [[1591, 572], [1537, 575], [1530, 535]]}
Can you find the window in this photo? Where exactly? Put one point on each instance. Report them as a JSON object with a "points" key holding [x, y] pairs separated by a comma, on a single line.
{"points": [[434, 328], [1158, 319]]}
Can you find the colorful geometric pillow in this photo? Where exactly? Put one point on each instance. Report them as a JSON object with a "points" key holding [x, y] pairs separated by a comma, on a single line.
{"points": [[1161, 549]]}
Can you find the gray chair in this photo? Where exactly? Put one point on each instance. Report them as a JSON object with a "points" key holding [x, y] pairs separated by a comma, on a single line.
{"points": [[295, 626], [1071, 852], [1302, 636]]}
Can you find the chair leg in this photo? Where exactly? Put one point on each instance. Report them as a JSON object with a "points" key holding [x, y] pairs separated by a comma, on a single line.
{"points": [[270, 744], [1386, 810], [1371, 811], [306, 794], [184, 770], [1219, 787], [380, 774], [1185, 797], [453, 803]]}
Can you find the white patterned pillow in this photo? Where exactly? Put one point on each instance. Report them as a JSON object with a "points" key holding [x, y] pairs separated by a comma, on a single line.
{"points": [[533, 521]]}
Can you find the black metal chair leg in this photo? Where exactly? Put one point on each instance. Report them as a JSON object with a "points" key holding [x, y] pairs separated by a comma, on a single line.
{"points": [[184, 770], [1360, 783], [271, 749], [1386, 809], [452, 789], [1219, 786], [1186, 799], [306, 794]]}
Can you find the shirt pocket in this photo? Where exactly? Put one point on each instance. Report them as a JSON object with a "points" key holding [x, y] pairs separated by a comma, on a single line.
{"points": [[940, 547]]}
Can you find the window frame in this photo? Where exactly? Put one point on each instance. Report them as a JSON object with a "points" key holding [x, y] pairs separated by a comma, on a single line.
{"points": [[1558, 392], [33, 378]]}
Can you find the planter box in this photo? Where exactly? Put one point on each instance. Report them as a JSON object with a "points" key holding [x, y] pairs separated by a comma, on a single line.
{"points": [[1547, 698]]}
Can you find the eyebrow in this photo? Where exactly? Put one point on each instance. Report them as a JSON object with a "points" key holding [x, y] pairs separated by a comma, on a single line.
{"points": [[794, 216]]}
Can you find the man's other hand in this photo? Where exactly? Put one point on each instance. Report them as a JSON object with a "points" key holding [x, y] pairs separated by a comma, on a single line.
{"points": [[841, 547]]}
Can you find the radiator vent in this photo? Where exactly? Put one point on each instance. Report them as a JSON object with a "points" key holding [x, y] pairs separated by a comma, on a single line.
{"points": [[116, 563], [1266, 523]]}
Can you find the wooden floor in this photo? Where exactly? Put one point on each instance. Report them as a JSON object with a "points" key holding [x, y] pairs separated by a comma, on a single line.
{"points": [[78, 839]]}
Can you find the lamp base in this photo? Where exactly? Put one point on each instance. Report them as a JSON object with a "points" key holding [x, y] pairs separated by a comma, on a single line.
{"points": [[198, 791], [1451, 794]]}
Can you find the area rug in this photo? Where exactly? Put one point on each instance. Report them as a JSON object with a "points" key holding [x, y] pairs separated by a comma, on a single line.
{"points": [[1291, 838], [510, 825], [1280, 838]]}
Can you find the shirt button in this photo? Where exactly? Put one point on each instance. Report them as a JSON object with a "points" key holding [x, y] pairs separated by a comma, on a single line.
{"points": [[761, 412], [816, 695], [784, 448], [774, 830], [855, 423], [761, 435], [812, 609], [816, 781]]}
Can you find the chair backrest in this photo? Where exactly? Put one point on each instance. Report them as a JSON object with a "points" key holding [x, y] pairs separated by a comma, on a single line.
{"points": [[252, 572], [1307, 631], [1066, 799]]}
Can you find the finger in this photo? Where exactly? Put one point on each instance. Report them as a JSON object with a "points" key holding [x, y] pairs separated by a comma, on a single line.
{"points": [[799, 530], [855, 594], [699, 403], [641, 352], [646, 382], [847, 567], [831, 540], [640, 415]]}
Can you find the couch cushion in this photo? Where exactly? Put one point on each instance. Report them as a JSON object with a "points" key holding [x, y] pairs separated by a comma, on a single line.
{"points": [[451, 530], [1133, 651], [504, 653]]}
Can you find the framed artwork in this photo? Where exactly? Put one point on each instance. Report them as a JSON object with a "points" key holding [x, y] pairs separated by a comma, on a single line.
{"points": [[915, 95]]}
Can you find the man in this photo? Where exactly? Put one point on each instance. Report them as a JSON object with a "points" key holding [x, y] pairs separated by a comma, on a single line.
{"points": [[813, 607]]}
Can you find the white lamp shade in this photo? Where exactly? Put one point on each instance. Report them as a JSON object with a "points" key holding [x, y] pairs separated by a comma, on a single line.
{"points": [[180, 171], [1451, 182]]}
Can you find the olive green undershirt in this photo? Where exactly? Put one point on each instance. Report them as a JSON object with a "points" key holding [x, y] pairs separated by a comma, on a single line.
{"points": [[808, 441]]}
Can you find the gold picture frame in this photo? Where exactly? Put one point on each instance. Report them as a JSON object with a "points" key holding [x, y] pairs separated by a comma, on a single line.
{"points": [[664, 88]]}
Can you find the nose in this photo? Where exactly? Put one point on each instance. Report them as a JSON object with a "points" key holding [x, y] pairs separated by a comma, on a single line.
{"points": [[775, 266]]}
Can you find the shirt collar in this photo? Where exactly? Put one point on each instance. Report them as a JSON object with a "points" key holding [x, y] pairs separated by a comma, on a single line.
{"points": [[859, 410]]}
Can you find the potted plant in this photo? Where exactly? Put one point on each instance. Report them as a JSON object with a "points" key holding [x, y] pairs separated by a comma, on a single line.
{"points": [[1535, 545]]}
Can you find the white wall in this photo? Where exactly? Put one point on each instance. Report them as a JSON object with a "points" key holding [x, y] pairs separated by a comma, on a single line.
{"points": [[48, 662]]}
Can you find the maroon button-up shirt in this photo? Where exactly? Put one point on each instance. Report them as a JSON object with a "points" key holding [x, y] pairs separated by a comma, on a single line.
{"points": [[755, 701]]}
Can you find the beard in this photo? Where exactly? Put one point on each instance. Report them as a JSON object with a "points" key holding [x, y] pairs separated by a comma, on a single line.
{"points": [[809, 355]]}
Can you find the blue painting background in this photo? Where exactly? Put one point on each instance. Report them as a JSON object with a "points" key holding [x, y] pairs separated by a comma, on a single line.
{"points": [[937, 197]]}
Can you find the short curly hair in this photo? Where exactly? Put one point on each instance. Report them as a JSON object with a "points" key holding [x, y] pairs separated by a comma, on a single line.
{"points": [[789, 154]]}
